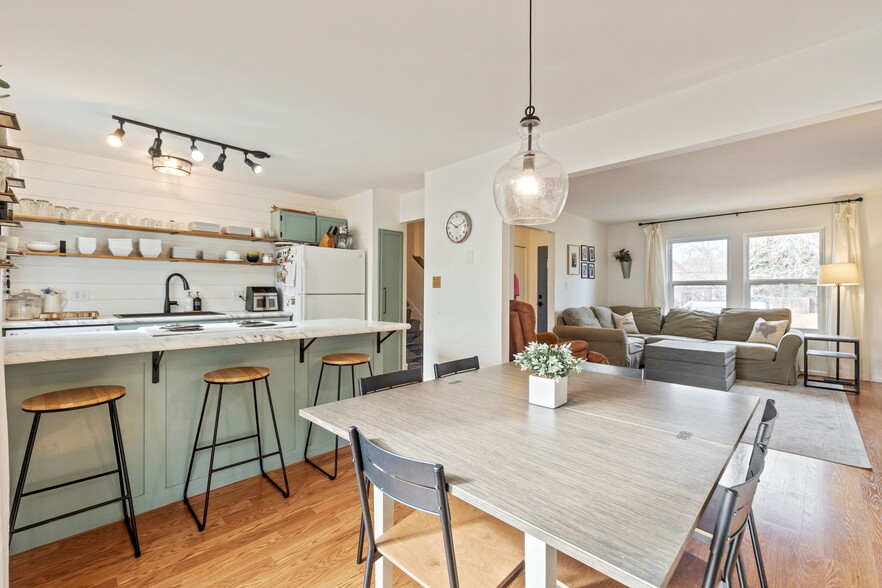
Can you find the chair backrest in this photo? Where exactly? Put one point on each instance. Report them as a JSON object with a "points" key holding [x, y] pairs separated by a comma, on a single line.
{"points": [[732, 518], [521, 325], [372, 384], [418, 484], [767, 424], [456, 366]]}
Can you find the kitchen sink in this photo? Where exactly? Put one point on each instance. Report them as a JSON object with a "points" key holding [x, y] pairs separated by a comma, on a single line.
{"points": [[168, 314]]}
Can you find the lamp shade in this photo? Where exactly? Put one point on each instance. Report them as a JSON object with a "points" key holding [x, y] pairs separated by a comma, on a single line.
{"points": [[838, 274]]}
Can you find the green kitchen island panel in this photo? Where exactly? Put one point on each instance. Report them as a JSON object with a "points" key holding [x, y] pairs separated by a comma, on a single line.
{"points": [[159, 419]]}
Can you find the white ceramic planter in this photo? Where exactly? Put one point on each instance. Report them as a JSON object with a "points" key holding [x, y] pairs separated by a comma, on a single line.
{"points": [[546, 392]]}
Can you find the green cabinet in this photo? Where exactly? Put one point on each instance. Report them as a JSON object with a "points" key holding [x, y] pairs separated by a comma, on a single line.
{"points": [[323, 223], [294, 226], [302, 227]]}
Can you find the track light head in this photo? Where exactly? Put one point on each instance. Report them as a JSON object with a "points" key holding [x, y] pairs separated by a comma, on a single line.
{"points": [[219, 164], [115, 139], [255, 167], [195, 153], [156, 149]]}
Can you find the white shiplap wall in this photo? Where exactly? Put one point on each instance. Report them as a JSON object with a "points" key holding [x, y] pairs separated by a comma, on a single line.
{"points": [[67, 178]]}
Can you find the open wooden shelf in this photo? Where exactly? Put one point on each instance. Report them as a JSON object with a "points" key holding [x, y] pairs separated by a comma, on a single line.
{"points": [[102, 256], [167, 231]]}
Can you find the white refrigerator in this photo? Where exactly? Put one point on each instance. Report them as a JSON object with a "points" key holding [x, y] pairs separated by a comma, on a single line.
{"points": [[322, 282]]}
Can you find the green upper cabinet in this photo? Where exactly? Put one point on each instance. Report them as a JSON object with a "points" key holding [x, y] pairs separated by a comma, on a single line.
{"points": [[294, 226], [323, 223]]}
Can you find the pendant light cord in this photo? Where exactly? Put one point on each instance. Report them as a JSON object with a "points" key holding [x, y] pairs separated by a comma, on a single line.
{"points": [[530, 111]]}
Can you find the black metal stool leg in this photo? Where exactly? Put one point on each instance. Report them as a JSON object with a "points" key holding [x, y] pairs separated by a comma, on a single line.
{"points": [[125, 485], [201, 524], [309, 427], [22, 475], [195, 446], [257, 423], [287, 492]]}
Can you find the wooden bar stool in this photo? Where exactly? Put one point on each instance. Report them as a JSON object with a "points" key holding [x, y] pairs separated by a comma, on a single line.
{"points": [[75, 399], [338, 360], [222, 377]]}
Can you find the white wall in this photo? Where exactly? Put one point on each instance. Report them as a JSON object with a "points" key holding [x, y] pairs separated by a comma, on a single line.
{"points": [[71, 179], [412, 206], [632, 291]]}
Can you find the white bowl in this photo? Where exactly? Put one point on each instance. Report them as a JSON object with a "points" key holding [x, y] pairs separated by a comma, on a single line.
{"points": [[150, 252], [42, 246], [86, 245], [120, 251]]}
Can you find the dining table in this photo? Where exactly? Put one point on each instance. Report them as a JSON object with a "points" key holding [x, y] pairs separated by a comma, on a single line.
{"points": [[615, 478]]}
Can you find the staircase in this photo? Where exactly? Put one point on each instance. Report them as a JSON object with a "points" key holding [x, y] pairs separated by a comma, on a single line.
{"points": [[414, 341]]}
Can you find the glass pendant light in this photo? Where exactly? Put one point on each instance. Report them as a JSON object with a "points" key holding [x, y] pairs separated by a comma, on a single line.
{"points": [[531, 188]]}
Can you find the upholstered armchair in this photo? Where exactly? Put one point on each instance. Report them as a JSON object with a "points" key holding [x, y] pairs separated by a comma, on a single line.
{"points": [[522, 330]]}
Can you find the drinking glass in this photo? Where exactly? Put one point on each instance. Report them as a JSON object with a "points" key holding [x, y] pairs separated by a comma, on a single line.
{"points": [[130, 219], [61, 212], [28, 206], [104, 216], [90, 215], [73, 213], [45, 209]]}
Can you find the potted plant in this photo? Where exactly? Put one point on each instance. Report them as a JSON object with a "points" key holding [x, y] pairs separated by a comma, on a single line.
{"points": [[623, 256], [551, 364]]}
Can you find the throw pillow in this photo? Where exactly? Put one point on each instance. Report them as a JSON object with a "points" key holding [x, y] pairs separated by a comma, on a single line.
{"points": [[604, 316], [580, 317], [626, 323], [648, 318], [769, 332], [696, 324]]}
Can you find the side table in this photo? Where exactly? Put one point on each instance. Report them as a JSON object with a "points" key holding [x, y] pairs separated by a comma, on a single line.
{"points": [[835, 383]]}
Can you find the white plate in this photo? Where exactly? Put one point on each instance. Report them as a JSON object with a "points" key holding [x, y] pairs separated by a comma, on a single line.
{"points": [[42, 246]]}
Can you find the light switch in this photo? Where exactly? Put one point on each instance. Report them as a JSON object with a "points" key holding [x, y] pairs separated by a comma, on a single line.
{"points": [[436, 281]]}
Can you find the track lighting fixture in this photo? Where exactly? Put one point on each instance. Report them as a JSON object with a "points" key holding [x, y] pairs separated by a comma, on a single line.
{"points": [[219, 164], [255, 167], [156, 149], [115, 139], [195, 154], [169, 164]]}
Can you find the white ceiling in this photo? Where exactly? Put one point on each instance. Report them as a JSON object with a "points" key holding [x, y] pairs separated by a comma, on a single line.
{"points": [[348, 95], [811, 163]]}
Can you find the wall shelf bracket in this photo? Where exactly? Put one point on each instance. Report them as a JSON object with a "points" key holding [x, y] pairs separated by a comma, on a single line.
{"points": [[157, 357], [381, 338]]}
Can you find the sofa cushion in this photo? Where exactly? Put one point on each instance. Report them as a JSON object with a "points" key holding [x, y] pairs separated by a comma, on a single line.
{"points": [[691, 323], [648, 318], [580, 317], [757, 351], [626, 323], [737, 323], [604, 316], [769, 332]]}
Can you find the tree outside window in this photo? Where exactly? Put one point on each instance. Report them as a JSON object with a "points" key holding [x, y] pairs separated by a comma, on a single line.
{"points": [[699, 274]]}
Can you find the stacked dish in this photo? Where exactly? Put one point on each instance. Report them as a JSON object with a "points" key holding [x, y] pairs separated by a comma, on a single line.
{"points": [[120, 247], [184, 252], [232, 230], [204, 227], [150, 247], [210, 255], [44, 246]]}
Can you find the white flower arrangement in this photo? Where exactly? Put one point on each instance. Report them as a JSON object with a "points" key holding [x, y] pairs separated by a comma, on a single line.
{"points": [[548, 361]]}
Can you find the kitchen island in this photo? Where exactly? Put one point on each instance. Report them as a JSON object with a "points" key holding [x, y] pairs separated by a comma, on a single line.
{"points": [[159, 414]]}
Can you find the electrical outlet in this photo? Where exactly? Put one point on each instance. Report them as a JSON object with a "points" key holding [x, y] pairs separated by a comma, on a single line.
{"points": [[79, 295], [238, 294]]}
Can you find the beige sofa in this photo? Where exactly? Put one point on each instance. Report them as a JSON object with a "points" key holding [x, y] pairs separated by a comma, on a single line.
{"points": [[753, 361]]}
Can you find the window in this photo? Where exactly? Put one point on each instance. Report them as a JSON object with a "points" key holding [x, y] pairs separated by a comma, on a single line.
{"points": [[782, 272], [699, 274]]}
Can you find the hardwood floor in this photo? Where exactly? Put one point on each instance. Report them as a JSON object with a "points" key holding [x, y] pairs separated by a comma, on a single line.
{"points": [[821, 525]]}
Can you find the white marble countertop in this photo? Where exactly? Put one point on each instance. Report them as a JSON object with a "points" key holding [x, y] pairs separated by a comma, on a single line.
{"points": [[112, 320], [18, 350]]}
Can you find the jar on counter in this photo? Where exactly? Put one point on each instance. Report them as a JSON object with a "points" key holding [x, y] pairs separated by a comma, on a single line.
{"points": [[24, 306]]}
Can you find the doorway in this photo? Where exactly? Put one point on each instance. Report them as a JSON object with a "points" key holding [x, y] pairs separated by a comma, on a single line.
{"points": [[414, 263], [532, 273]]}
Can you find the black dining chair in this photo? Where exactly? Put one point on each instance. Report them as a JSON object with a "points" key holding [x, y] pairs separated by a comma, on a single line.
{"points": [[761, 443], [378, 383], [721, 526], [457, 366], [371, 384], [414, 543]]}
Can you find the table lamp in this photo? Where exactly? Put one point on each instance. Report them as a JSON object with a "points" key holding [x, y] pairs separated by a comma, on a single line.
{"points": [[838, 274]]}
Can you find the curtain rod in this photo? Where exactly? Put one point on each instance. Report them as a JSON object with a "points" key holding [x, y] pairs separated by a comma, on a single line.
{"points": [[676, 220]]}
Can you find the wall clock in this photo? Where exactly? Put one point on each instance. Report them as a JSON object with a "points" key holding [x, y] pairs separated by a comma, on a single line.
{"points": [[459, 226]]}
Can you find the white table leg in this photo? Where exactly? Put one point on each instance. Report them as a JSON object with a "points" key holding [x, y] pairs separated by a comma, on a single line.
{"points": [[384, 518], [540, 563]]}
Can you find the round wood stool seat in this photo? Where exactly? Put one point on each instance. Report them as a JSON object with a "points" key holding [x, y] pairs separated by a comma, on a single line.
{"points": [[236, 375], [72, 398], [346, 359]]}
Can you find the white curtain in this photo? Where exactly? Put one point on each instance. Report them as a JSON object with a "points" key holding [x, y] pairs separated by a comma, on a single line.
{"points": [[656, 292], [847, 249]]}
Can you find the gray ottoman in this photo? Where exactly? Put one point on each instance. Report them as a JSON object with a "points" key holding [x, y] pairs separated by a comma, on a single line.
{"points": [[706, 365]]}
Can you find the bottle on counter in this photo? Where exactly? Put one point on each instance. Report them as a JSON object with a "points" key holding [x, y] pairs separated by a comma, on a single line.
{"points": [[197, 302], [188, 302]]}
